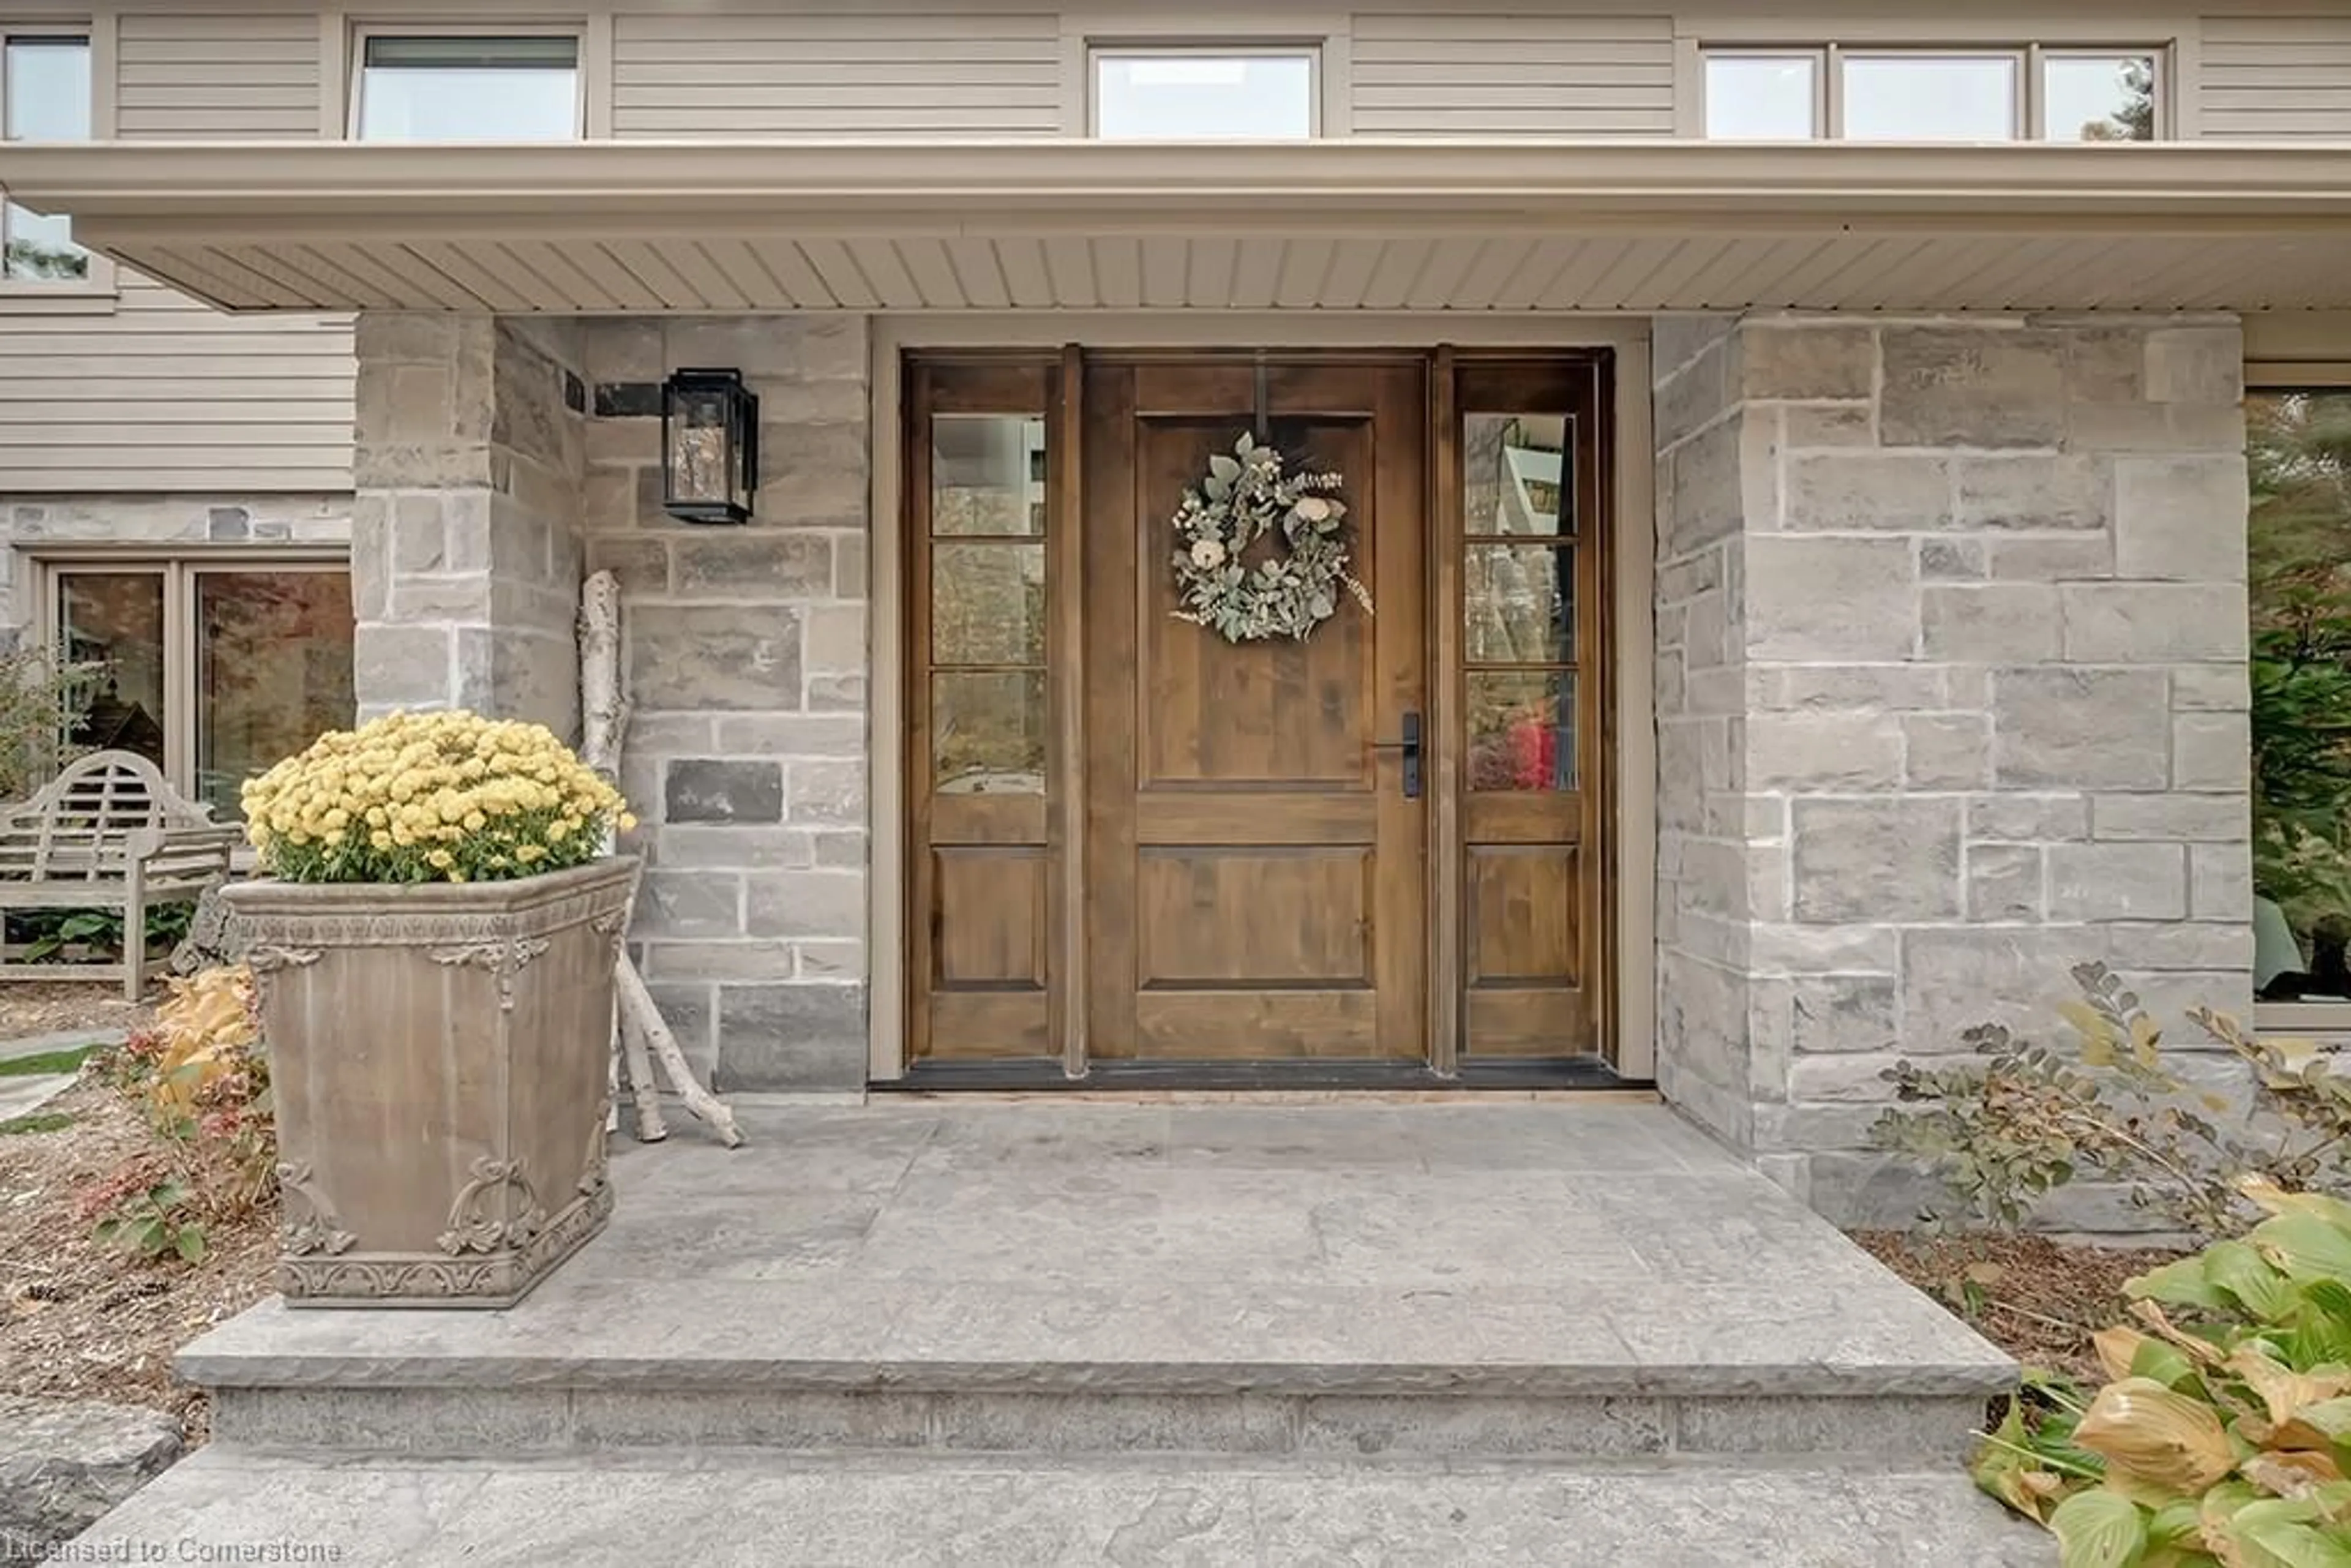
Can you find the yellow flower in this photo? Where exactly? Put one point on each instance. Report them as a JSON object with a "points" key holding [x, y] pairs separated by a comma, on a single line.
{"points": [[475, 822], [627, 821], [380, 840], [442, 859]]}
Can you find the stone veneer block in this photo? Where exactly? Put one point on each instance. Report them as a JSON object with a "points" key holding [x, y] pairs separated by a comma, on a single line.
{"points": [[1952, 695]]}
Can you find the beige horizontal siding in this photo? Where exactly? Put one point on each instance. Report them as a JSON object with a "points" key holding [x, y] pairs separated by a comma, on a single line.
{"points": [[842, 73], [1450, 74], [169, 394], [189, 77], [2274, 78]]}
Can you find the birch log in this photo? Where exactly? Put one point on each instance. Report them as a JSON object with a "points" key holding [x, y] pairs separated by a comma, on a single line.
{"points": [[639, 1035]]}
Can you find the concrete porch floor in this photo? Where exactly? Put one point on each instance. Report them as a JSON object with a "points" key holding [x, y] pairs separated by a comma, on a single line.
{"points": [[1542, 1311], [1544, 1246]]}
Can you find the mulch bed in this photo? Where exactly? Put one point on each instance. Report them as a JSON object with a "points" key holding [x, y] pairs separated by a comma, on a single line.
{"points": [[2047, 1301], [52, 1006], [81, 1321]]}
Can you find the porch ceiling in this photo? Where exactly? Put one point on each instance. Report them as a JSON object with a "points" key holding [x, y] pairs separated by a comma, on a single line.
{"points": [[1350, 226]]}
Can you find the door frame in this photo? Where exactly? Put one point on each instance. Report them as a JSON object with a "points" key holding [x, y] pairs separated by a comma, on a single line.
{"points": [[1632, 841]]}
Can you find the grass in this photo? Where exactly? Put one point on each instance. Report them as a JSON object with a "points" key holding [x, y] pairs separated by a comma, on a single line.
{"points": [[47, 1063], [38, 1122]]}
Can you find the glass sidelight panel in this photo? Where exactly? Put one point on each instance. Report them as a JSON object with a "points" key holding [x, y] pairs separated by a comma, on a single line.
{"points": [[988, 605], [988, 475], [1520, 604], [1515, 474], [987, 732], [1522, 730]]}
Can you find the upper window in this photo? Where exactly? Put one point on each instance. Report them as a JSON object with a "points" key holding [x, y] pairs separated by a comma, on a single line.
{"points": [[462, 89], [45, 95], [1198, 95], [1931, 95]]}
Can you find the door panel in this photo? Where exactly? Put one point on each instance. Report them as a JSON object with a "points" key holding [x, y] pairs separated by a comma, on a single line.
{"points": [[1256, 869]]}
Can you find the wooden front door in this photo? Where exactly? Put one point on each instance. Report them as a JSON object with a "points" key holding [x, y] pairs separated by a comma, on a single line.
{"points": [[1133, 841], [1256, 836]]}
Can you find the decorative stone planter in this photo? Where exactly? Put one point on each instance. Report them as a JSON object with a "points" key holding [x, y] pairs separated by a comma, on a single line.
{"points": [[439, 1056]]}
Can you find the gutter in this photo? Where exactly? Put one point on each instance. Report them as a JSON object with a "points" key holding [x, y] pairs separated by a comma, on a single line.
{"points": [[180, 192]]}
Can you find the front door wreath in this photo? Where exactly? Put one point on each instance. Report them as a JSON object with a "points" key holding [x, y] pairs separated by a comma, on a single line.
{"points": [[1245, 497]]}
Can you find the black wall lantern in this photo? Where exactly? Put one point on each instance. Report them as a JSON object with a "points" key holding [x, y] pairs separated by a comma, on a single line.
{"points": [[710, 446]]}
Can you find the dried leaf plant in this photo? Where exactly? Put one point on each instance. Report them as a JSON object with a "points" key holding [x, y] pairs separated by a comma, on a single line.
{"points": [[2016, 1119]]}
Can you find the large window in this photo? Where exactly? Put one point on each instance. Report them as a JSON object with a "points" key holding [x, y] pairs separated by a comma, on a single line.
{"points": [[2299, 580], [1863, 94], [469, 89], [45, 95], [213, 671], [1205, 94]]}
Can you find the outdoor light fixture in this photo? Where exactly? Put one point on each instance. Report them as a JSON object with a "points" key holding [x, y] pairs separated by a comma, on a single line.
{"points": [[710, 446]]}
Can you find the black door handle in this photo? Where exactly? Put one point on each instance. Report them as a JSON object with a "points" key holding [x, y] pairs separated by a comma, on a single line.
{"points": [[1410, 748]]}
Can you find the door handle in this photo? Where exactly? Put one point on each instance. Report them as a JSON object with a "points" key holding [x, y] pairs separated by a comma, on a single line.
{"points": [[1409, 747]]}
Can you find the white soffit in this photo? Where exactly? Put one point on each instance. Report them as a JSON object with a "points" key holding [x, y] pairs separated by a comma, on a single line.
{"points": [[1354, 225]]}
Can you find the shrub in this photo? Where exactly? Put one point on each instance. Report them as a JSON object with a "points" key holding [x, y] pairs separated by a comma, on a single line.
{"points": [[202, 1079], [2019, 1120], [430, 796], [41, 703], [2221, 1441]]}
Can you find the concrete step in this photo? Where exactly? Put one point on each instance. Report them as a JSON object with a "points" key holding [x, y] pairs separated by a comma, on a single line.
{"points": [[763, 1410], [723, 1507], [1487, 1281]]}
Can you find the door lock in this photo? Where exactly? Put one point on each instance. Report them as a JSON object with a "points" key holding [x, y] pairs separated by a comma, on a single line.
{"points": [[1409, 747]]}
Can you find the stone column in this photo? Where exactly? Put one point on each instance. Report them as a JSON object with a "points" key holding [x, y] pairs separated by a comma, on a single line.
{"points": [[1984, 668], [748, 660], [465, 532]]}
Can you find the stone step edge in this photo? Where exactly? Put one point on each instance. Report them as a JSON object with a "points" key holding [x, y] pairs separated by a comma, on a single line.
{"points": [[1977, 1379], [544, 1420], [828, 1509]]}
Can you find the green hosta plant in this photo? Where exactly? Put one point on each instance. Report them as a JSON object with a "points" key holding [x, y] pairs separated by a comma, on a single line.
{"points": [[2223, 1437], [2016, 1119]]}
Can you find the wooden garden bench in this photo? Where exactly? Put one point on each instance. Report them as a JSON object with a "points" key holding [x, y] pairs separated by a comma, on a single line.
{"points": [[109, 833]]}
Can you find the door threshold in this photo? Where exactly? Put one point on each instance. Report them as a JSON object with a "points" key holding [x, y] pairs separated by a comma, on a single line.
{"points": [[1044, 1075]]}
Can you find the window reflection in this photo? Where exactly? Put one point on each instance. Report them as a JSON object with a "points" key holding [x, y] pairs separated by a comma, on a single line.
{"points": [[2100, 97], [114, 620], [2299, 584], [273, 673]]}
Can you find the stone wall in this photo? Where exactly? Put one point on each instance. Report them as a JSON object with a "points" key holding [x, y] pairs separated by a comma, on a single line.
{"points": [[1951, 693], [182, 526], [466, 533], [747, 650]]}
